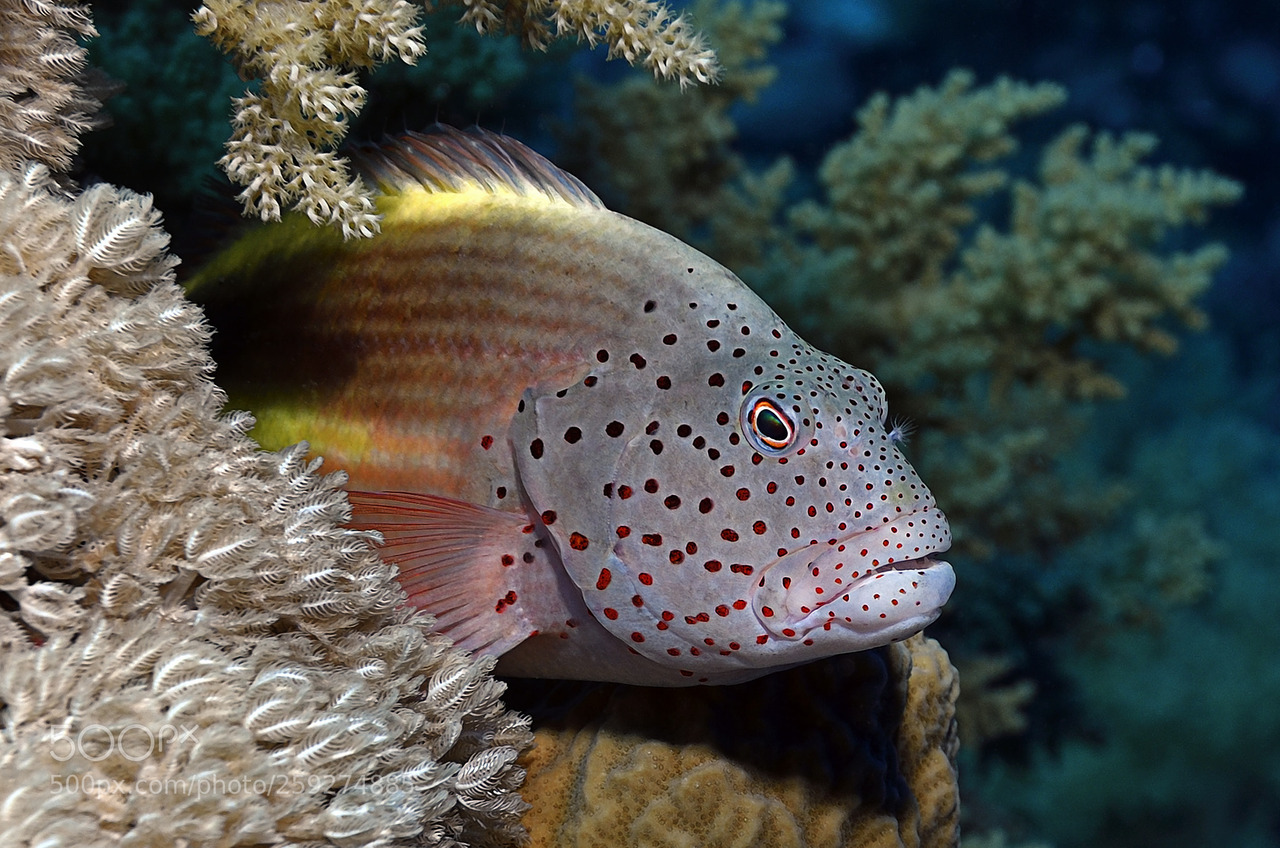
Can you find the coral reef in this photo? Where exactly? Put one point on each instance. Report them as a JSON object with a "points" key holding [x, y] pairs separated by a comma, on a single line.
{"points": [[305, 55], [856, 750], [194, 649]]}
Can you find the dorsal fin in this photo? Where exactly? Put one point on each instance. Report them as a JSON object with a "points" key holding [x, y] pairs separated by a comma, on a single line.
{"points": [[447, 160]]}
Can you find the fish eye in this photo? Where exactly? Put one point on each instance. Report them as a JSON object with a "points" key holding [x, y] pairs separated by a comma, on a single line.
{"points": [[768, 427]]}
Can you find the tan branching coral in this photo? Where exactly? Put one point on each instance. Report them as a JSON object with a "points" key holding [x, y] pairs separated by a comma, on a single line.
{"points": [[858, 750], [306, 56], [643, 32]]}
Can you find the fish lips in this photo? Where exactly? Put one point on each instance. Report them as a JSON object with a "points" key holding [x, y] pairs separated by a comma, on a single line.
{"points": [[862, 590]]}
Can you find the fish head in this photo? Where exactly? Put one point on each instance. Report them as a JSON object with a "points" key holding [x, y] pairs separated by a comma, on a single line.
{"points": [[746, 509]]}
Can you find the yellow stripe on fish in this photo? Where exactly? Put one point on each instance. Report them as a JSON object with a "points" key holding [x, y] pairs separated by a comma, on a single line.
{"points": [[590, 449]]}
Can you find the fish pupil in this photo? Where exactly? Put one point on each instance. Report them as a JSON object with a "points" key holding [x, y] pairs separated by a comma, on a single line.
{"points": [[771, 427]]}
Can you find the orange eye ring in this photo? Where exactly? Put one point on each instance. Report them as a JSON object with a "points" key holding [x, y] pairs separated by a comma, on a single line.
{"points": [[768, 427]]}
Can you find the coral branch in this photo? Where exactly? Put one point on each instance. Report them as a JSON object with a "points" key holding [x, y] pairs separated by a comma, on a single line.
{"points": [[304, 55]]}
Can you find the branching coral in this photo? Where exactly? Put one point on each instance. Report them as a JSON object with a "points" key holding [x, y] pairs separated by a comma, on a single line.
{"points": [[666, 156], [642, 32], [306, 54]]}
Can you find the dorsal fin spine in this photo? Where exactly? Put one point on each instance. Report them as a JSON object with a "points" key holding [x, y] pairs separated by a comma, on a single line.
{"points": [[447, 160]]}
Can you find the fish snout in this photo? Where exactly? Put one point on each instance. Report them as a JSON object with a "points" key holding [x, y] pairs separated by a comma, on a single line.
{"points": [[869, 588]]}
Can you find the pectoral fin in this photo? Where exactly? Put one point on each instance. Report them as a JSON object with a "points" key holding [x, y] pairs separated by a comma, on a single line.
{"points": [[477, 570]]}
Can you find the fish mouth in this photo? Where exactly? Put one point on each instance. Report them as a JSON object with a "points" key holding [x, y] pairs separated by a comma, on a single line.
{"points": [[885, 582]]}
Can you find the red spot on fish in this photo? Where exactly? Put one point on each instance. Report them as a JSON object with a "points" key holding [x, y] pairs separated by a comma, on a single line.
{"points": [[611, 613], [712, 565], [787, 631], [486, 442], [766, 612], [549, 517], [652, 539], [637, 637], [651, 486], [675, 557], [623, 531], [758, 528], [675, 652], [705, 505], [578, 542], [728, 535], [743, 494], [739, 604], [624, 492], [760, 640], [722, 610], [637, 601], [508, 559], [739, 568], [602, 582], [645, 578]]}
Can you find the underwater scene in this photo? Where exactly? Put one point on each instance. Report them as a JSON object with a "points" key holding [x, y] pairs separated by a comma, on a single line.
{"points": [[1035, 249]]}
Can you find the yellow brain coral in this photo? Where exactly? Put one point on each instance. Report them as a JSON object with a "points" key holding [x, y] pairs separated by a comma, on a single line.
{"points": [[858, 750]]}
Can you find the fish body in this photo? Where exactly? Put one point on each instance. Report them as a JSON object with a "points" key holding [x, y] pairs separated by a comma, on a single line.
{"points": [[591, 449]]}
